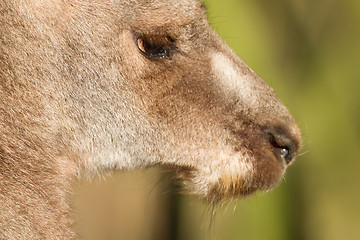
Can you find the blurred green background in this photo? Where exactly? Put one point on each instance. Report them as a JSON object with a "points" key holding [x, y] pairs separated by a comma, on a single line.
{"points": [[309, 52]]}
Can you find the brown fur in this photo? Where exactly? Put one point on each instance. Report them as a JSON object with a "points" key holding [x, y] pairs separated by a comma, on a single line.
{"points": [[78, 97]]}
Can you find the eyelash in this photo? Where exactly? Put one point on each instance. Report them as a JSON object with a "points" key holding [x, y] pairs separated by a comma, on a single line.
{"points": [[156, 46]]}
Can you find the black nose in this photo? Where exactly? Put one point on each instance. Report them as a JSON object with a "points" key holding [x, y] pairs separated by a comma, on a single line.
{"points": [[283, 144]]}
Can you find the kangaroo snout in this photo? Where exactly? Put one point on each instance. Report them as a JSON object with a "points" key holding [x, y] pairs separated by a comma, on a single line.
{"points": [[260, 138]]}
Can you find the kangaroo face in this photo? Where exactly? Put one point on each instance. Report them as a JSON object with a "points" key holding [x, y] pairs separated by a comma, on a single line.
{"points": [[91, 85], [172, 93], [128, 84]]}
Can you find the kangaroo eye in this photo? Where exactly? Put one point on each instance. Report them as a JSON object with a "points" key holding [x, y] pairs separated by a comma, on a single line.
{"points": [[155, 46]]}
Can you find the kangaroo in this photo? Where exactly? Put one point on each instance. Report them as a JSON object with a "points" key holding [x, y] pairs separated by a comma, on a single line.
{"points": [[91, 86]]}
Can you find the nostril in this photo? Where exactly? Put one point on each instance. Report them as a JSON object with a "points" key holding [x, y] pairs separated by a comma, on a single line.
{"points": [[282, 144], [284, 152]]}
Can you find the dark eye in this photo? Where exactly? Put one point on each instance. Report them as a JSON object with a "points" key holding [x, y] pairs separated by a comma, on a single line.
{"points": [[155, 46]]}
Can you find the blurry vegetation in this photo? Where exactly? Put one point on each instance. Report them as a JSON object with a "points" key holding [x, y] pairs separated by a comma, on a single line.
{"points": [[309, 52]]}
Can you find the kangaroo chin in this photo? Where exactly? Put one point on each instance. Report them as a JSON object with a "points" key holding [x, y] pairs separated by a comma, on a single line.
{"points": [[88, 86]]}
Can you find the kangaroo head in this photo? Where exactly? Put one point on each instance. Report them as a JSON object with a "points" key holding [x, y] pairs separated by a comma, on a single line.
{"points": [[137, 83], [95, 85], [152, 84]]}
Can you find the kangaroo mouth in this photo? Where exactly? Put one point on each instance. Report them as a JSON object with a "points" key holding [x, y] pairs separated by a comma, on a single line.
{"points": [[241, 163], [228, 182]]}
